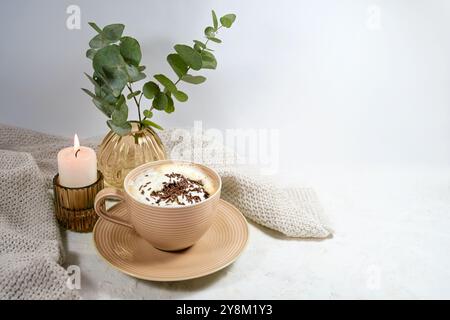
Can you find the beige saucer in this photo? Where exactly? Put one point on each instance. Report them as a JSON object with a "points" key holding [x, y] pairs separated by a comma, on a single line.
{"points": [[219, 247]]}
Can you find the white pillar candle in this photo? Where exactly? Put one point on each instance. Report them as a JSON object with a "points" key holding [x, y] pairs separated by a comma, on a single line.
{"points": [[77, 166]]}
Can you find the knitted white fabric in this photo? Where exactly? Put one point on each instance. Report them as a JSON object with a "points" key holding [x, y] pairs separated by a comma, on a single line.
{"points": [[293, 211], [30, 246]]}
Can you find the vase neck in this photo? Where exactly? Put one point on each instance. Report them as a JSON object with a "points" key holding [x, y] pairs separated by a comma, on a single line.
{"points": [[136, 127]]}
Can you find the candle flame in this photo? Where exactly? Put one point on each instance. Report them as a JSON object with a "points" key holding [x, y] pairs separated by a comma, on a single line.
{"points": [[76, 143]]}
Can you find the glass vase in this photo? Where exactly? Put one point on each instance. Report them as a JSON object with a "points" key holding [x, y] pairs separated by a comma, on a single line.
{"points": [[118, 155]]}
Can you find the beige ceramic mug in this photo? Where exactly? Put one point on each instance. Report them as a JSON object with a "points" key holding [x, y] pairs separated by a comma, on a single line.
{"points": [[166, 228]]}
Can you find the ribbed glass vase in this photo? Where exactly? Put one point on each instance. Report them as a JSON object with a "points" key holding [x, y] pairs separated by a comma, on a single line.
{"points": [[119, 155]]}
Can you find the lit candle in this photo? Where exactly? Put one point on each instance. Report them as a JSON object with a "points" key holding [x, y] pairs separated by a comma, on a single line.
{"points": [[77, 166]]}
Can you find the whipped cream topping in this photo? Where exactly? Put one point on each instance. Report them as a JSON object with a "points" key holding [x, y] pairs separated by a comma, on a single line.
{"points": [[171, 185]]}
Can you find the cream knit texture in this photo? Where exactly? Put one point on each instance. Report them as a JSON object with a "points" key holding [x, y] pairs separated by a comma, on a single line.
{"points": [[30, 246]]}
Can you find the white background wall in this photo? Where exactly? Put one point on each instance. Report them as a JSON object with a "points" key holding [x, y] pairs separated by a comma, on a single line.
{"points": [[339, 89]]}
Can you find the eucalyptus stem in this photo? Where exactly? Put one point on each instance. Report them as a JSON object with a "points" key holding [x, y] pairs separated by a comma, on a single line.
{"points": [[150, 110], [138, 104], [140, 97], [189, 68]]}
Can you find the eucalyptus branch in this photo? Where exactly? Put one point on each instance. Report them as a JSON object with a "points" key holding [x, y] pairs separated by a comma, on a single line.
{"points": [[116, 62], [135, 101], [140, 97], [202, 49]]}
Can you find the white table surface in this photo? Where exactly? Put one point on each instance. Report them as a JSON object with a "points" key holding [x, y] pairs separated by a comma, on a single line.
{"points": [[391, 240]]}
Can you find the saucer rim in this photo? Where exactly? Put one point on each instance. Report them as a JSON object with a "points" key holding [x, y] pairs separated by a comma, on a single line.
{"points": [[174, 279]]}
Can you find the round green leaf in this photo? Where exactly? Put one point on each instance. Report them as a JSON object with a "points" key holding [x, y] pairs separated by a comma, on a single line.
{"points": [[107, 96], [197, 48], [227, 20], [113, 32], [148, 114], [178, 65], [193, 79], [121, 101], [104, 107], [98, 42], [121, 129], [191, 57], [134, 74], [108, 56], [160, 101], [110, 65], [180, 96], [116, 78], [91, 53], [130, 50], [166, 82], [103, 89], [170, 106], [200, 44], [120, 114], [208, 60], [150, 90], [210, 32]]}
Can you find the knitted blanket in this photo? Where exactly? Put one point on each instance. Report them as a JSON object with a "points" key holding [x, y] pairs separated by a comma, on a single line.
{"points": [[29, 238], [30, 247]]}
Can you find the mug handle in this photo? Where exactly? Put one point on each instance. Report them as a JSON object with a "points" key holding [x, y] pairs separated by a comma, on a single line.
{"points": [[109, 193]]}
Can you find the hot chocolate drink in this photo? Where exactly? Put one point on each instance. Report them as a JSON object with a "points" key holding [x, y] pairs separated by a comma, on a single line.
{"points": [[170, 203], [172, 184]]}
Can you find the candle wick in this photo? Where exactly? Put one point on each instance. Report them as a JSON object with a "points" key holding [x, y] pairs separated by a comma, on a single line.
{"points": [[76, 153]]}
